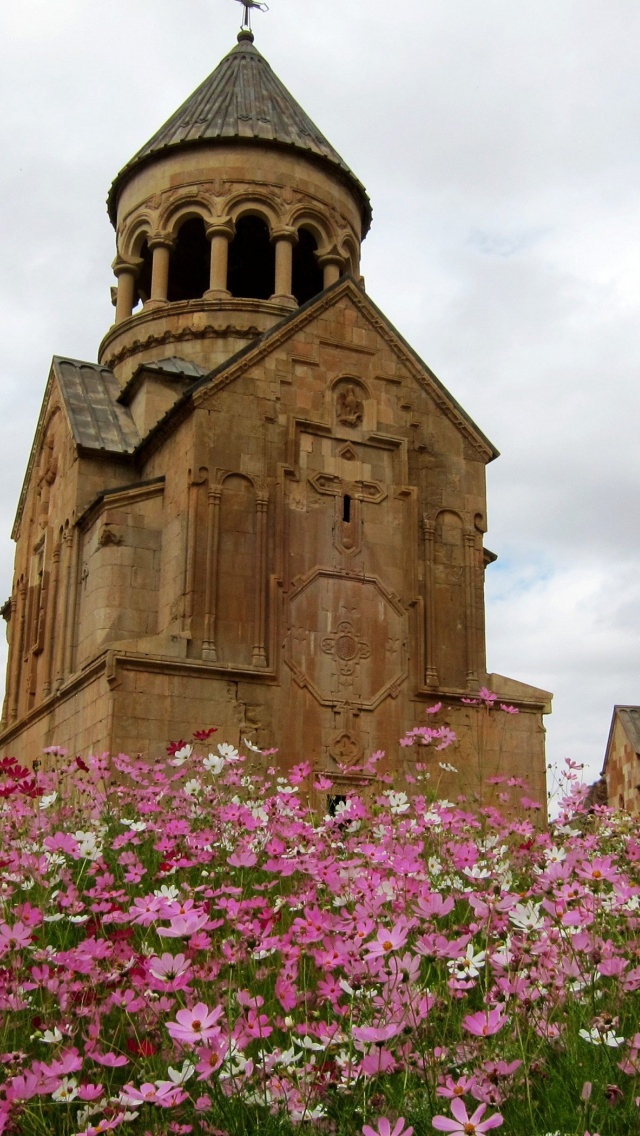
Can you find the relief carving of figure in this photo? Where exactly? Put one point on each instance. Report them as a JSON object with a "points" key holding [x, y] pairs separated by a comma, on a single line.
{"points": [[349, 408]]}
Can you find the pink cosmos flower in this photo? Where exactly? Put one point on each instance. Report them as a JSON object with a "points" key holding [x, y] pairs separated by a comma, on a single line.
{"points": [[104, 1125], [384, 1128], [465, 1125], [453, 1089], [484, 1024], [168, 966], [110, 1060], [12, 938], [376, 1034], [243, 859], [184, 925], [387, 940], [197, 1024]]}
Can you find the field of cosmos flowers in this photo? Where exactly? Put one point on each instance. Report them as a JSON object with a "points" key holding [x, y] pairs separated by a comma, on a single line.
{"points": [[188, 945]]}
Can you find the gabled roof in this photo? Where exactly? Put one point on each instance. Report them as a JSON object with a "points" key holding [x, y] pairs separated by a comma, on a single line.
{"points": [[242, 100], [261, 347], [97, 421]]}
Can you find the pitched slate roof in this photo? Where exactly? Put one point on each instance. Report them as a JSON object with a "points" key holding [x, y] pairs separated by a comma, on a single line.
{"points": [[630, 718], [242, 100], [90, 395], [174, 365]]}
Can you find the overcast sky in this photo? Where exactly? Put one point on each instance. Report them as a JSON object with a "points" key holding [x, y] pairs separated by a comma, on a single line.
{"points": [[499, 143]]}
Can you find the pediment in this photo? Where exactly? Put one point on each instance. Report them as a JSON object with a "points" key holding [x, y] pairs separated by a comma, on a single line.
{"points": [[356, 309]]}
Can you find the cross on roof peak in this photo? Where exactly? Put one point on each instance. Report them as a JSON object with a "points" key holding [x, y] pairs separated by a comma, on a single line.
{"points": [[248, 5]]}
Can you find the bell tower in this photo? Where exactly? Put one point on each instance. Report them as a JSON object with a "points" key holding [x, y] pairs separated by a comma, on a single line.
{"points": [[259, 509], [234, 214]]}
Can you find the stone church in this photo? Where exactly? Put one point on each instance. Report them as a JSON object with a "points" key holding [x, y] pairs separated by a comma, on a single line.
{"points": [[259, 509]]}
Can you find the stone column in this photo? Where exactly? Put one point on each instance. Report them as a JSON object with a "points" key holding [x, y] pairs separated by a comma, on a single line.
{"points": [[17, 619], [431, 673], [332, 264], [160, 245], [209, 650], [284, 241], [127, 274], [259, 656], [221, 234], [470, 605], [50, 630]]}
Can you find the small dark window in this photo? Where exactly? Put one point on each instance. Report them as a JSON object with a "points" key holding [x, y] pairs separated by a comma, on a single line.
{"points": [[346, 509], [190, 259], [252, 263], [333, 802], [308, 278]]}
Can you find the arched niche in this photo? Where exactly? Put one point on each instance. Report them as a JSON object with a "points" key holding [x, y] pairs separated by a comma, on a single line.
{"points": [[189, 262], [252, 265], [449, 600], [308, 277]]}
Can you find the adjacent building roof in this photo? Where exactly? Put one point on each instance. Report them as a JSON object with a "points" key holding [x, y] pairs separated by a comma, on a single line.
{"points": [[242, 100], [97, 419], [629, 718]]}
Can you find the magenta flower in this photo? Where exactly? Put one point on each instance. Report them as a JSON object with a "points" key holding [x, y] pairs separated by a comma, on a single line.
{"points": [[387, 940], [465, 1125], [384, 1128], [197, 1024], [183, 925], [376, 1034], [12, 938], [484, 1024]]}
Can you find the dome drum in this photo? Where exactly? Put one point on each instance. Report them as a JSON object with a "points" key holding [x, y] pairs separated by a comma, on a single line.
{"points": [[198, 226]]}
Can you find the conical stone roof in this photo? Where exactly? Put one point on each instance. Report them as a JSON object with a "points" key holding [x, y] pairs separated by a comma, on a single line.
{"points": [[242, 100]]}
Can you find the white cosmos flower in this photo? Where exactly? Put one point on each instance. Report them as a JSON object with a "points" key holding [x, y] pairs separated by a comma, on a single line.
{"points": [[308, 1043], [468, 965], [448, 768], [477, 873], [193, 788], [51, 1037], [181, 755], [48, 799], [228, 751], [597, 1037], [398, 802], [134, 825], [527, 916], [89, 844], [179, 1076], [214, 764], [67, 1091], [251, 746], [169, 892]]}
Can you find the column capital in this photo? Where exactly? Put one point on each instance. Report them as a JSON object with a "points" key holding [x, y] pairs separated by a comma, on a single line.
{"points": [[161, 240], [120, 266], [331, 256], [223, 227], [286, 233]]}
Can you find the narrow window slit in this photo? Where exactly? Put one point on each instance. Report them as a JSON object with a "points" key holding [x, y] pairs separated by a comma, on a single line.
{"points": [[346, 509]]}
